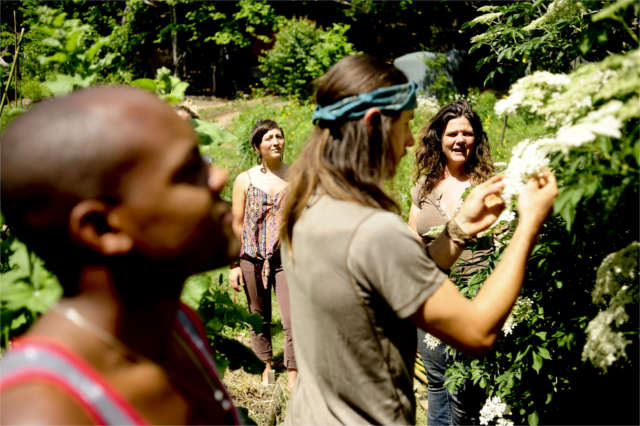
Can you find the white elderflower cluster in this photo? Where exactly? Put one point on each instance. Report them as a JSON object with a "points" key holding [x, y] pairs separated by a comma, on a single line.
{"points": [[527, 160], [530, 158], [522, 310], [605, 346], [494, 410], [616, 280], [616, 270], [532, 92], [486, 18], [432, 342], [428, 104], [558, 9]]}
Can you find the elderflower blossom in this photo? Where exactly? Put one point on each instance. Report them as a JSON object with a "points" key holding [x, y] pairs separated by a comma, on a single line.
{"points": [[528, 92], [558, 9], [604, 345], [495, 408], [486, 18], [527, 160], [432, 342], [521, 311], [616, 270], [616, 279], [428, 104]]}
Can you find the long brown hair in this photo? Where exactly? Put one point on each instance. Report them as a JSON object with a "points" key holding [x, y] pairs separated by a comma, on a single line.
{"points": [[430, 159], [343, 158]]}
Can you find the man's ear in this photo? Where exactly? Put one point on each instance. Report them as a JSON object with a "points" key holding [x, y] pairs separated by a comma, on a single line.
{"points": [[89, 225], [372, 119]]}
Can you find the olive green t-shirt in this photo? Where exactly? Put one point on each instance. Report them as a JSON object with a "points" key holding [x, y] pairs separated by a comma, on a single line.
{"points": [[356, 276]]}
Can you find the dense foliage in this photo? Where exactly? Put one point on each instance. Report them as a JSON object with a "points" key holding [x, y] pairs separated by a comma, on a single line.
{"points": [[215, 46], [572, 339], [526, 36], [302, 53]]}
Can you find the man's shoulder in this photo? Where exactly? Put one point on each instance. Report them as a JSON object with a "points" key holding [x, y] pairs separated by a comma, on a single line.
{"points": [[39, 401]]}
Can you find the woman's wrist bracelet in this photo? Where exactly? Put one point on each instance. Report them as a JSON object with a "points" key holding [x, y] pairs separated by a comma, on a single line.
{"points": [[457, 235], [235, 264]]}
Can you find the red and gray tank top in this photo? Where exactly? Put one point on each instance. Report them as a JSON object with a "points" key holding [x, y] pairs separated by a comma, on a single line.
{"points": [[261, 226], [38, 359]]}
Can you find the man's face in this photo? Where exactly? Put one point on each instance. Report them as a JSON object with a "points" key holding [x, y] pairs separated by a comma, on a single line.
{"points": [[171, 199]]}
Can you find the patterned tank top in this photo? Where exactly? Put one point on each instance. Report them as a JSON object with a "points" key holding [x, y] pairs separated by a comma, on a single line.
{"points": [[261, 226]]}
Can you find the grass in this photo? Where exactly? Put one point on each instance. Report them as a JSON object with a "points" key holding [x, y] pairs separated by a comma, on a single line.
{"points": [[268, 405]]}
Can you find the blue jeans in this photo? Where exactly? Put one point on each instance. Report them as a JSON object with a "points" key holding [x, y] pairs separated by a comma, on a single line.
{"points": [[460, 408]]}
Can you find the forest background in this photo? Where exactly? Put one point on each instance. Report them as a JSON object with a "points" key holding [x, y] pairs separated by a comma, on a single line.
{"points": [[555, 82]]}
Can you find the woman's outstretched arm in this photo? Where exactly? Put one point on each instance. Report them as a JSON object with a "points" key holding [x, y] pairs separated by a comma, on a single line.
{"points": [[474, 325]]}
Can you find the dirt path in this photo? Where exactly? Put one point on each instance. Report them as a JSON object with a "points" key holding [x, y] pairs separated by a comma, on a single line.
{"points": [[223, 111]]}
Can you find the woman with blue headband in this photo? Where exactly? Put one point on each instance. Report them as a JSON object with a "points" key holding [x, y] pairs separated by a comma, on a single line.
{"points": [[359, 279]]}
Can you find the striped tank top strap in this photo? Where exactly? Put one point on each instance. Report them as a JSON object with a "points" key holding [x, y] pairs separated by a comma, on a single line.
{"points": [[191, 328], [33, 359]]}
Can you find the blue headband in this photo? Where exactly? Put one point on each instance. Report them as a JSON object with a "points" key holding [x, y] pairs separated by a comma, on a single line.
{"points": [[400, 97]]}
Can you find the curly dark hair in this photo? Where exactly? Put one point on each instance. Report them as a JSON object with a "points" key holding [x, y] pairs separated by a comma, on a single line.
{"points": [[431, 160]]}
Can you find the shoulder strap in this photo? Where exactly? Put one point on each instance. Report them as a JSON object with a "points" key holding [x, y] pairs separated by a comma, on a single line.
{"points": [[190, 326], [37, 359], [249, 176]]}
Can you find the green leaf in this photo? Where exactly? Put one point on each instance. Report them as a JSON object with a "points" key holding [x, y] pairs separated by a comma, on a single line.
{"points": [[611, 10], [213, 132], [537, 362], [544, 353], [542, 335], [72, 41], [51, 42], [61, 85], [533, 419], [58, 57], [178, 90], [585, 44], [95, 48], [145, 83], [58, 20]]}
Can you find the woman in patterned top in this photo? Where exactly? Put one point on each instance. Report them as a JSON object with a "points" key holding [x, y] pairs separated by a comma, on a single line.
{"points": [[258, 195]]}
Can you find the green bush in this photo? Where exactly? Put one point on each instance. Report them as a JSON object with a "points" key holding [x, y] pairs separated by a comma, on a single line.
{"points": [[302, 53]]}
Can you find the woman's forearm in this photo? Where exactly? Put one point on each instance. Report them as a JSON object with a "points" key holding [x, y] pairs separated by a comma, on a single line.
{"points": [[443, 251], [497, 295]]}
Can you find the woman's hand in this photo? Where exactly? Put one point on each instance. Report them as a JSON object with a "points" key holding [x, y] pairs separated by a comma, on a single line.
{"points": [[536, 199], [482, 207], [236, 279]]}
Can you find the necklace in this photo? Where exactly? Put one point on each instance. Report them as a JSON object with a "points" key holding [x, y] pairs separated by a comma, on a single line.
{"points": [[74, 317]]}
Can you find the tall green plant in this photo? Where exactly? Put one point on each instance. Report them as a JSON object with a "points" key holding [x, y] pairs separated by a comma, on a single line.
{"points": [[553, 35], [302, 53], [73, 57]]}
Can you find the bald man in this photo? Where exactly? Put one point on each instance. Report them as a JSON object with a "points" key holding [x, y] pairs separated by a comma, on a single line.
{"points": [[108, 187]]}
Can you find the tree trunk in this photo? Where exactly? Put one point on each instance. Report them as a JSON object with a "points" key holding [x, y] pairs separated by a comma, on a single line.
{"points": [[174, 40]]}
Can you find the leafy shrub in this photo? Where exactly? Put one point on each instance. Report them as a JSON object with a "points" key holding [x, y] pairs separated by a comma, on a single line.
{"points": [[166, 86], [302, 53], [522, 37], [573, 332], [28, 289]]}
